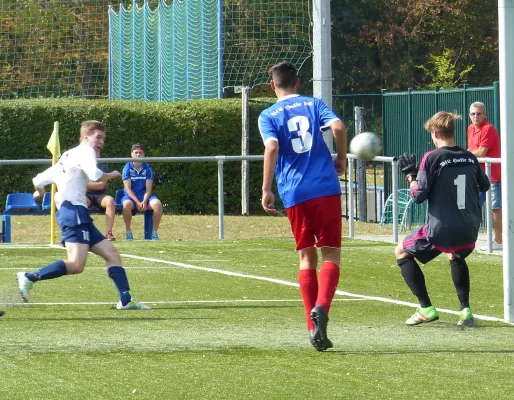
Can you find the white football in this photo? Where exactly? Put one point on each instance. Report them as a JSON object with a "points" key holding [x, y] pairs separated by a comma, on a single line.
{"points": [[366, 146]]}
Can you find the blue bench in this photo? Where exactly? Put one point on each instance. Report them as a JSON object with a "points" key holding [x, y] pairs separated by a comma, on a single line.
{"points": [[148, 224], [24, 204], [17, 204], [47, 202]]}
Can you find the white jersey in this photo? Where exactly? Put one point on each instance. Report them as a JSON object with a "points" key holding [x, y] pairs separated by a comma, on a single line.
{"points": [[71, 173]]}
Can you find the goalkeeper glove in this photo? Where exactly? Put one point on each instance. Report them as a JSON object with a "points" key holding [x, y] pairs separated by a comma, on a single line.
{"points": [[408, 166]]}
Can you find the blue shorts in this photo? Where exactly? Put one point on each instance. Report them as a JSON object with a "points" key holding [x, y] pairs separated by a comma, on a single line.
{"points": [[85, 234], [140, 198], [496, 196], [77, 226]]}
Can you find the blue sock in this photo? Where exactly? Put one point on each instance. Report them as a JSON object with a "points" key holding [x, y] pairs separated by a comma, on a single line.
{"points": [[51, 271], [118, 275]]}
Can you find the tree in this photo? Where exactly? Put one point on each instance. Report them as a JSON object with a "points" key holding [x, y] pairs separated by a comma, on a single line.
{"points": [[444, 74], [378, 44]]}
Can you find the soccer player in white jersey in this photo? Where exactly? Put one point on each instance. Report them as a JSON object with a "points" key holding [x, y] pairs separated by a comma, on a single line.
{"points": [[308, 184], [71, 173]]}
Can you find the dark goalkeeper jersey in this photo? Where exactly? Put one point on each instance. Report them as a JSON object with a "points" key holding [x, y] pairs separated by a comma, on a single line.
{"points": [[450, 178]]}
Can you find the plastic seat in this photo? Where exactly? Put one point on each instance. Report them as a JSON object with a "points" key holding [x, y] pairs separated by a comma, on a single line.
{"points": [[47, 201], [117, 199], [21, 203]]}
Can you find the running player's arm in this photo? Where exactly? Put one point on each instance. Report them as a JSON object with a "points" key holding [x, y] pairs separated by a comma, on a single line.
{"points": [[107, 176], [99, 186], [270, 139], [270, 162], [88, 164], [339, 132], [47, 177], [330, 120]]}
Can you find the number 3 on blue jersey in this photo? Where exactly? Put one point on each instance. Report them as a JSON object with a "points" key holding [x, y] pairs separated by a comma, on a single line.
{"points": [[300, 125]]}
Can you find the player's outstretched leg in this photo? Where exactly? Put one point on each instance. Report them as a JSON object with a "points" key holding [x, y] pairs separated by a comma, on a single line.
{"points": [[24, 285], [318, 335], [50, 271]]}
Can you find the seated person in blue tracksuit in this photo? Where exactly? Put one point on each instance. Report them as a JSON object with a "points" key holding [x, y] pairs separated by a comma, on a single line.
{"points": [[138, 181]]}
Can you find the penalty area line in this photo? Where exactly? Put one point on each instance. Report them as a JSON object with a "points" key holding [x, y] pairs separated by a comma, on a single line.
{"points": [[294, 284]]}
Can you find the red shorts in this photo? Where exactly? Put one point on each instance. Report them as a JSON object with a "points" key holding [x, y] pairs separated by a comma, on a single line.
{"points": [[320, 219]]}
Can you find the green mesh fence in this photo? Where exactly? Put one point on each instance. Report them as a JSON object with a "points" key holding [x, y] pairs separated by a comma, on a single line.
{"points": [[166, 54], [60, 48], [53, 48], [258, 34]]}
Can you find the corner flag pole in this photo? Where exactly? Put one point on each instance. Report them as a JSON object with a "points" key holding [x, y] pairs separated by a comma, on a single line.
{"points": [[55, 148]]}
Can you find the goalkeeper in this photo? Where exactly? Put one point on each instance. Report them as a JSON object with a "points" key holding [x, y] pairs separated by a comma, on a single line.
{"points": [[71, 174], [450, 179]]}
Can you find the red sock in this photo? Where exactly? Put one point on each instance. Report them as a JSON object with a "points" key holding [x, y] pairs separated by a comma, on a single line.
{"points": [[309, 288], [328, 280]]}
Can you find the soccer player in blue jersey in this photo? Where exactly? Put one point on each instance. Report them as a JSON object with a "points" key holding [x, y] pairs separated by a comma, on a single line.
{"points": [[450, 179], [308, 184], [138, 180], [71, 174]]}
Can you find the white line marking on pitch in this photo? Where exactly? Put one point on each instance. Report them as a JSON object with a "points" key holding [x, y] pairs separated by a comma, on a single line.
{"points": [[293, 284], [88, 268], [103, 303], [273, 280]]}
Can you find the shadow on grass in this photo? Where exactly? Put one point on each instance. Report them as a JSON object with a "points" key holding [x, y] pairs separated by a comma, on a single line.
{"points": [[222, 307], [448, 325], [120, 319], [400, 352], [111, 319]]}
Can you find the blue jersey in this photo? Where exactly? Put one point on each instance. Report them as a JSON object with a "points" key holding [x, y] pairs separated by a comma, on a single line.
{"points": [[305, 169], [137, 178]]}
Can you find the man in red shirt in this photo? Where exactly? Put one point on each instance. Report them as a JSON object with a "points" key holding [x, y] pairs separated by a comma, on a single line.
{"points": [[484, 141]]}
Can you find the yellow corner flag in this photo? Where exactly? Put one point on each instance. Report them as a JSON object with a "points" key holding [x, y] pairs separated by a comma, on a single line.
{"points": [[53, 144], [55, 148]]}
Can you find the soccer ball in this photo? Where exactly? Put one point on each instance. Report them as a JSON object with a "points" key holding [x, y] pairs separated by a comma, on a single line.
{"points": [[366, 146]]}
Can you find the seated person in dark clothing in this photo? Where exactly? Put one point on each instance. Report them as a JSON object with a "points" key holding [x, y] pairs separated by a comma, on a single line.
{"points": [[97, 197]]}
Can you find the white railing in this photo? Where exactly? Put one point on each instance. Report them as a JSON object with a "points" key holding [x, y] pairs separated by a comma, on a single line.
{"points": [[394, 175], [488, 214], [351, 160], [394, 191]]}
